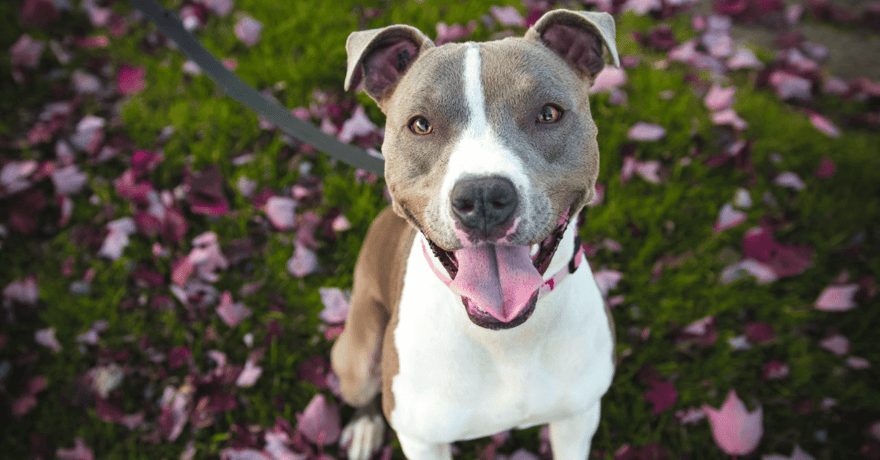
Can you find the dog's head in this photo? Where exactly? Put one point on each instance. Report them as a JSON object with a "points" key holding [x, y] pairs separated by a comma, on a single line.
{"points": [[490, 148]]}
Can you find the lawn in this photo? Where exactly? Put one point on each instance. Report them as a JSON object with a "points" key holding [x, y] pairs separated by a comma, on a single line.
{"points": [[174, 270]]}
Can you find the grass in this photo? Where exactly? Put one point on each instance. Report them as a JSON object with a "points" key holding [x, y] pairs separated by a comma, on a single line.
{"points": [[302, 46]]}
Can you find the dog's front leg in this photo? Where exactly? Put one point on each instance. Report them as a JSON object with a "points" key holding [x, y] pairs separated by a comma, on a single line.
{"points": [[570, 438], [415, 449]]}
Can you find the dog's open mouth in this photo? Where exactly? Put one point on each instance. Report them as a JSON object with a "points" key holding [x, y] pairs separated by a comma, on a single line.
{"points": [[499, 284]]}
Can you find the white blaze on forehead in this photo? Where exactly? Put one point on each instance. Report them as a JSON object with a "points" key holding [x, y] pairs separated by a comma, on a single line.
{"points": [[479, 152]]}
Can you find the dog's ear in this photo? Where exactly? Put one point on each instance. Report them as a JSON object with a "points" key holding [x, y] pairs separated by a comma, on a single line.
{"points": [[381, 56], [577, 37]]}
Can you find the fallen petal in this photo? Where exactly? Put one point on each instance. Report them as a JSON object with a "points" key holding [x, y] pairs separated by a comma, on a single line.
{"points": [[837, 298], [249, 30], [789, 179], [719, 98], [646, 132], [837, 344], [729, 217], [825, 125]]}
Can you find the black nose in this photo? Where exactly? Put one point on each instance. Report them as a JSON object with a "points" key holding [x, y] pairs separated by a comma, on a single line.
{"points": [[483, 203]]}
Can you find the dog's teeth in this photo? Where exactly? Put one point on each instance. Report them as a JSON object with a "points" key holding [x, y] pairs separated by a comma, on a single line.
{"points": [[534, 249]]}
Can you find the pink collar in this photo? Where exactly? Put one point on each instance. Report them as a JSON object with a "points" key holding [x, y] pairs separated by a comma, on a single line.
{"points": [[545, 288]]}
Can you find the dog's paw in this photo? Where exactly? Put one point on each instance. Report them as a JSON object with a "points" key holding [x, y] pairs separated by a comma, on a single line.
{"points": [[364, 434]]}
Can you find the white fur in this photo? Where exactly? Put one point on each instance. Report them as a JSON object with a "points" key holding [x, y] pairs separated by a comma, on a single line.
{"points": [[479, 151], [459, 381]]}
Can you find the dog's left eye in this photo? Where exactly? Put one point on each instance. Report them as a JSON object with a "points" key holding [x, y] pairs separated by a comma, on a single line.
{"points": [[549, 114]]}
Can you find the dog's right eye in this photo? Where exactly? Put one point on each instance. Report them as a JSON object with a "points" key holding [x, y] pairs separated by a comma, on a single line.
{"points": [[420, 125]]}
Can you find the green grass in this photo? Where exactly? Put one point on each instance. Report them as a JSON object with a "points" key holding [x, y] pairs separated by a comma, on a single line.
{"points": [[302, 46]]}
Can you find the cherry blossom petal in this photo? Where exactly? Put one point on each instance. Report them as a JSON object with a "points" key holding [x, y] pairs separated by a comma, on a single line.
{"points": [[662, 395], [335, 306], [232, 313], [642, 131], [26, 52], [281, 212], [249, 30], [607, 280], [249, 374], [856, 362], [826, 169], [80, 451], [46, 337], [744, 58], [837, 344], [130, 80], [719, 98], [690, 416], [775, 370], [304, 262], [447, 33], [648, 170], [790, 86], [358, 125], [837, 298], [728, 218], [823, 124], [69, 180], [319, 422], [608, 79], [736, 431], [641, 7], [762, 272], [26, 292], [789, 179], [507, 15], [729, 117]]}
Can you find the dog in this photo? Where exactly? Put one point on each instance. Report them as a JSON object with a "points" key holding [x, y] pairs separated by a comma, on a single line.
{"points": [[472, 310]]}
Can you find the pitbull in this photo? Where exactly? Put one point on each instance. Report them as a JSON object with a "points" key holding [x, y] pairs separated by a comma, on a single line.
{"points": [[472, 310]]}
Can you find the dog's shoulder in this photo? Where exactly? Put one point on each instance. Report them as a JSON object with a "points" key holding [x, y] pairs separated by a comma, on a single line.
{"points": [[382, 262]]}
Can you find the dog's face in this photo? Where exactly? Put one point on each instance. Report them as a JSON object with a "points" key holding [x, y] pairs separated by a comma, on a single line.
{"points": [[490, 148]]}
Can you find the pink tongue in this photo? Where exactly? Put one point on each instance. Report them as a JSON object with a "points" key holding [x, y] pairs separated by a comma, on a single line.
{"points": [[480, 274]]}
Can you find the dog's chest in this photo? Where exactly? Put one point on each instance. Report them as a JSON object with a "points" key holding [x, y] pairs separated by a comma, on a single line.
{"points": [[459, 381]]}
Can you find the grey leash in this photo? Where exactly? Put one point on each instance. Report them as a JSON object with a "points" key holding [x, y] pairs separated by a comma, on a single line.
{"points": [[171, 26]]}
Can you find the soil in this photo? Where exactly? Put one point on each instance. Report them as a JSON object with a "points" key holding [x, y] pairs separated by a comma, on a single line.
{"points": [[854, 50]]}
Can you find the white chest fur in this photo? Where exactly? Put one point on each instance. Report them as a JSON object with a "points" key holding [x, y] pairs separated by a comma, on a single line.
{"points": [[458, 381]]}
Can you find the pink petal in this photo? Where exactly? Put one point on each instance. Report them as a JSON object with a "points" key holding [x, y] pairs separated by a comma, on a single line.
{"points": [[69, 180], [454, 32], [729, 117], [608, 79], [742, 199], [857, 363], [662, 395], [837, 298], [875, 430], [89, 134], [775, 370], [130, 80], [837, 344], [646, 132], [648, 171], [629, 167], [23, 405], [335, 306], [232, 313], [826, 168], [744, 58], [340, 224], [825, 125], [304, 262], [249, 374], [729, 217], [719, 44], [641, 7], [790, 86], [319, 422], [834, 85], [789, 179], [26, 52], [230, 453], [218, 7], [699, 326], [607, 280], [46, 337], [736, 431], [686, 52], [762, 272], [280, 211], [79, 452], [26, 292], [38, 13], [358, 125], [690, 416], [85, 83], [249, 30], [719, 98], [522, 454], [507, 16]]}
